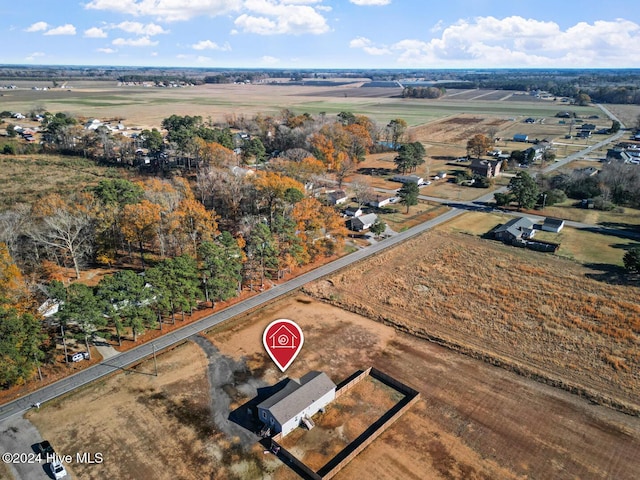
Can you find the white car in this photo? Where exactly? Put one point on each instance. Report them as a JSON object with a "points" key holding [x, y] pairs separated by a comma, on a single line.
{"points": [[58, 470]]}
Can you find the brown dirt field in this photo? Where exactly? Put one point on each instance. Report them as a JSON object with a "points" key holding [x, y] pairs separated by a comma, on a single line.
{"points": [[517, 307], [473, 421]]}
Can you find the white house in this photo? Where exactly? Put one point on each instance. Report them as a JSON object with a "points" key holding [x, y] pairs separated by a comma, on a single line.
{"points": [[363, 222], [381, 201], [337, 197], [408, 179], [297, 402]]}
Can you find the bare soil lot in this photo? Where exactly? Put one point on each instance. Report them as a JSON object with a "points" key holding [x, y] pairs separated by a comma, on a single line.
{"points": [[474, 420]]}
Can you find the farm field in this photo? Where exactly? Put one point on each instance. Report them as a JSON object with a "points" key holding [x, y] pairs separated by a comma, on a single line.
{"points": [[516, 307], [473, 420], [146, 107]]}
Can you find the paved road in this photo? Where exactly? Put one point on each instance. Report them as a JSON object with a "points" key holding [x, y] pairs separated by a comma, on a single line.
{"points": [[133, 356]]}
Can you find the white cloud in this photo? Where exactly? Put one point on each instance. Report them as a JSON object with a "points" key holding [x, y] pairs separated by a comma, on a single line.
{"points": [[135, 42], [366, 3], [106, 50], [37, 27], [269, 60], [33, 56], [518, 42], [268, 17], [365, 44], [67, 29], [209, 45], [167, 10], [203, 59], [137, 28], [95, 32]]}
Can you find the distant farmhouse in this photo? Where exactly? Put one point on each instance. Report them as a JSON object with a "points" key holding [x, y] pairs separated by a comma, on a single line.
{"points": [[297, 402]]}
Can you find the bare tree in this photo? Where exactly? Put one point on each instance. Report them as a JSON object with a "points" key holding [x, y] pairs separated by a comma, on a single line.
{"points": [[362, 190], [67, 232]]}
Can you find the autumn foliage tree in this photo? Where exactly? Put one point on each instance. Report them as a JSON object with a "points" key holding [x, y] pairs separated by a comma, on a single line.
{"points": [[140, 224]]}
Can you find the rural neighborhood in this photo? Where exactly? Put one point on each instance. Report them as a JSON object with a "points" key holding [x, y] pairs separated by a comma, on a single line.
{"points": [[150, 230]]}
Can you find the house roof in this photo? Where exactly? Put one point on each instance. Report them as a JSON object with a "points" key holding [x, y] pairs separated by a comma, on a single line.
{"points": [[515, 226], [556, 222], [297, 395], [369, 218]]}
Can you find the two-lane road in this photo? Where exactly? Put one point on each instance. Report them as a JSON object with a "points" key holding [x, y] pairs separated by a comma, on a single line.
{"points": [[135, 355]]}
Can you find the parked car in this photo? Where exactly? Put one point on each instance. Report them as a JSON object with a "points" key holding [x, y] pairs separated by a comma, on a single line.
{"points": [[45, 449], [58, 469], [78, 357]]}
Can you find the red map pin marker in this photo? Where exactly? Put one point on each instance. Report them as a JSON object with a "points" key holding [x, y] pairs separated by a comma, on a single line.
{"points": [[283, 340]]}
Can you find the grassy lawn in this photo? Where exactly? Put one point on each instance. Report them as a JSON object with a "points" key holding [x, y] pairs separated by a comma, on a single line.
{"points": [[579, 245], [25, 178], [398, 220], [568, 211]]}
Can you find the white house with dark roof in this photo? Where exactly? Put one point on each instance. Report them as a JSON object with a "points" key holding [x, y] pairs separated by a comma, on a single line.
{"points": [[297, 402]]}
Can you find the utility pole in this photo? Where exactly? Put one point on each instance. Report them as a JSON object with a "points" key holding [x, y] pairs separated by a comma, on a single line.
{"points": [[155, 361], [38, 364], [64, 344]]}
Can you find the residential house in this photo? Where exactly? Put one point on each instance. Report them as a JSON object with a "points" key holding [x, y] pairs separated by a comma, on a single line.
{"points": [[337, 197], [520, 137], [363, 222], [93, 124], [552, 224], [485, 168], [297, 402], [517, 229], [408, 179], [353, 211], [382, 200]]}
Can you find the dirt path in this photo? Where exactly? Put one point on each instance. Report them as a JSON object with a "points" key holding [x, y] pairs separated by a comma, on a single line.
{"points": [[225, 373]]}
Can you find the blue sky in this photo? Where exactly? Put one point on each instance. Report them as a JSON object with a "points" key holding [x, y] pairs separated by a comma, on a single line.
{"points": [[323, 33]]}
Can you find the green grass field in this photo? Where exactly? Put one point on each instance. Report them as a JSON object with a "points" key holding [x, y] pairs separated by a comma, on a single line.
{"points": [[579, 245]]}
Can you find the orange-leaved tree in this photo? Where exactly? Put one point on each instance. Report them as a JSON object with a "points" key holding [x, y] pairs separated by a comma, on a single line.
{"points": [[320, 227], [140, 223], [272, 188], [194, 224]]}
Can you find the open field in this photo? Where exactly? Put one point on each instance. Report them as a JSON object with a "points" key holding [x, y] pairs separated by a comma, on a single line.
{"points": [[583, 246], [473, 421], [25, 178], [516, 307], [147, 107]]}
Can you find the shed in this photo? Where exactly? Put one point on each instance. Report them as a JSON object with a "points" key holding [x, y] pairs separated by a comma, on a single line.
{"points": [[363, 222], [552, 224], [297, 402], [520, 137]]}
